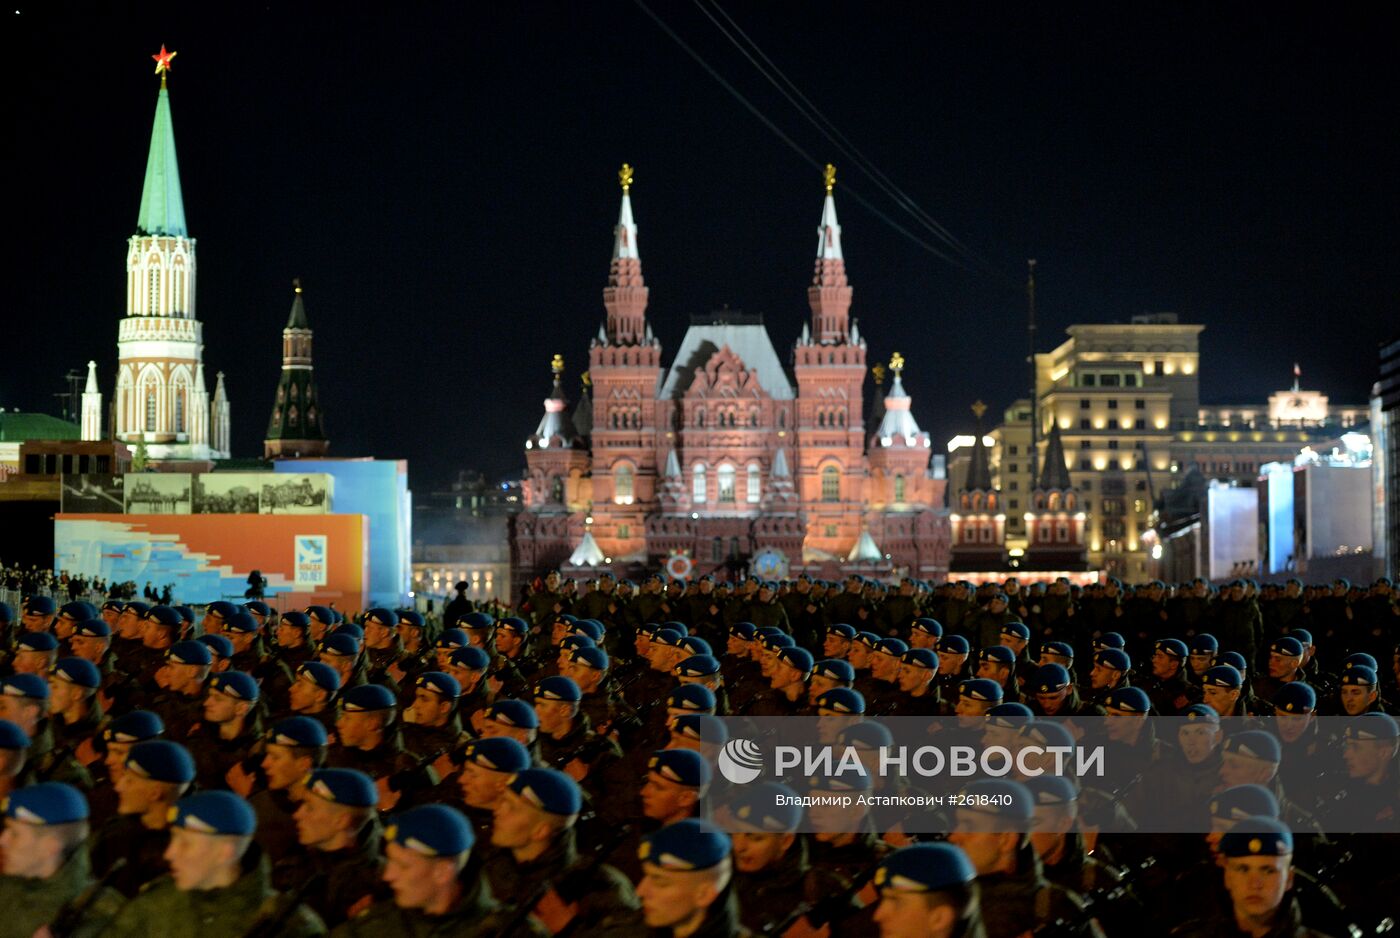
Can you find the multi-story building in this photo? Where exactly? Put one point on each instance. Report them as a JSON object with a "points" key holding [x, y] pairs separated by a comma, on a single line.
{"points": [[1385, 439], [732, 457]]}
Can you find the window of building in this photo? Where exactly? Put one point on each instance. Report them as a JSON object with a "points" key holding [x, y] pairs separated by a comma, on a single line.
{"points": [[556, 490], [150, 410], [1140, 485], [1113, 404], [1114, 528], [1139, 404], [1013, 450], [726, 483], [831, 484], [1087, 379], [1085, 465], [1130, 381], [624, 531], [1112, 507], [1083, 403], [1139, 506], [1084, 423], [699, 416], [899, 488], [1012, 467], [986, 531], [1112, 444], [697, 484], [1140, 424], [733, 548], [1114, 465], [1013, 503], [1061, 532], [1013, 486], [1108, 381], [179, 410], [753, 489], [622, 484], [830, 530], [717, 550], [1085, 444]]}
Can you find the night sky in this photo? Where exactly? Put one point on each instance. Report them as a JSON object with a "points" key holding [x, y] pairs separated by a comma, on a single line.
{"points": [[443, 178]]}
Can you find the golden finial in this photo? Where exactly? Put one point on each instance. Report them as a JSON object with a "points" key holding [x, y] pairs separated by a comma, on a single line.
{"points": [[557, 365], [829, 177], [163, 63], [587, 379], [878, 373], [896, 363], [978, 409], [296, 284], [624, 176]]}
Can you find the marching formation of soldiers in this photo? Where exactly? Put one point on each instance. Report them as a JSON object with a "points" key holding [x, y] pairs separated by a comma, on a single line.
{"points": [[240, 771]]}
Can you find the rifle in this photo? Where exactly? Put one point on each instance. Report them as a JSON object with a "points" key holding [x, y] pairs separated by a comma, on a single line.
{"points": [[833, 908], [523, 910], [270, 920], [1094, 903], [70, 916]]}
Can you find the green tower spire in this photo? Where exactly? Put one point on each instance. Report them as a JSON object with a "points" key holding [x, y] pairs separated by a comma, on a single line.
{"points": [[162, 205]]}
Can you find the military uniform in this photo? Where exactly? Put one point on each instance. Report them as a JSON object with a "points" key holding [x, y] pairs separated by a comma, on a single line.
{"points": [[475, 914], [607, 905]]}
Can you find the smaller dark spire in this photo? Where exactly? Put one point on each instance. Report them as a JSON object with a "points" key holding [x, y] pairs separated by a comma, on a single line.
{"points": [[979, 474], [297, 319], [1054, 470], [583, 410]]}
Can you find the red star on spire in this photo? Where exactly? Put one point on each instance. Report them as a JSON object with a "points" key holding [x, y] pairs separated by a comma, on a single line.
{"points": [[163, 61]]}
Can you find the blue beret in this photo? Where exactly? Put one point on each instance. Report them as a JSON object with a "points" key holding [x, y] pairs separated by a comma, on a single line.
{"points": [[440, 683], [12, 737], [162, 761], [1244, 801], [686, 845], [322, 675], [31, 686], [258, 608], [1359, 659], [998, 654], [591, 628], [1062, 649], [137, 609], [706, 727], [40, 606], [1303, 636], [1052, 790], [186, 613], [868, 639], [1295, 697], [1049, 678], [744, 630], [1130, 699], [321, 614], [221, 609], [349, 787], [924, 868], [1258, 837], [1048, 733], [1110, 640], [768, 630], [1287, 646], [242, 621], [778, 641], [78, 671], [576, 641], [558, 688], [925, 658], [981, 688], [929, 627], [78, 611], [1204, 642], [94, 628], [1115, 658], [434, 830], [1374, 725], [1013, 715], [47, 803], [953, 645], [767, 808], [214, 812], [342, 644], [1235, 660], [1000, 797], [1172, 647], [798, 658], [696, 645], [1198, 713], [381, 616], [470, 657], [841, 630], [1222, 675], [164, 615], [1255, 744], [134, 727], [514, 625], [867, 734], [218, 645], [698, 666], [37, 641], [6, 613], [410, 617], [297, 620], [666, 636], [1358, 676], [298, 731], [682, 766], [497, 753], [368, 697], [477, 620], [236, 684], [452, 638], [891, 646], [842, 700], [696, 697], [193, 652], [512, 712], [1017, 629], [551, 791]]}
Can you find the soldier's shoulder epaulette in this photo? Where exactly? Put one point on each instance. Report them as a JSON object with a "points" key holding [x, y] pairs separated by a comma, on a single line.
{"points": [[160, 882]]}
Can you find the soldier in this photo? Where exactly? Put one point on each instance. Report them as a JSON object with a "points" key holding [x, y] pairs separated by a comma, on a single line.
{"points": [[998, 663], [976, 696], [1204, 650], [24, 701], [294, 747], [568, 741], [1191, 771], [322, 621], [1370, 744], [1358, 693], [1060, 847], [534, 831], [417, 652], [1056, 696], [928, 891], [1221, 688], [249, 652], [337, 845], [828, 674], [156, 773], [77, 712], [882, 688], [952, 661], [231, 728], [14, 743], [313, 694], [159, 630], [47, 874], [292, 650], [487, 767], [215, 615], [788, 684], [341, 651], [383, 647], [92, 641], [513, 718], [1167, 685], [369, 740], [686, 886], [127, 631], [116, 740], [220, 651], [1285, 666], [837, 643], [918, 692], [35, 653], [1132, 745], [431, 725], [469, 666], [1110, 671], [925, 633], [70, 616], [216, 876]]}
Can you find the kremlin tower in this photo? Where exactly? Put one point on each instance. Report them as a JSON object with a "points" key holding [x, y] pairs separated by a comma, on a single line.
{"points": [[296, 430]]}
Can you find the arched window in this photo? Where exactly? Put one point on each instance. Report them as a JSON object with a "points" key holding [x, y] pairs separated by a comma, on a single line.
{"points": [[1054, 501], [180, 410], [753, 416], [153, 296], [717, 550], [782, 420], [1042, 534], [726, 483], [697, 485], [840, 418], [753, 489], [150, 408], [556, 490], [1062, 532], [976, 501], [1069, 501], [831, 484], [700, 416], [622, 484], [899, 488], [821, 419]]}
